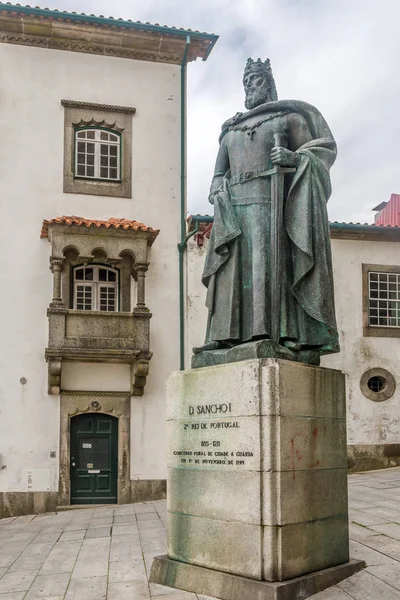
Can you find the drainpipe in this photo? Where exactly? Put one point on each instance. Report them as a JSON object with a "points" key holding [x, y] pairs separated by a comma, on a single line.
{"points": [[183, 243]]}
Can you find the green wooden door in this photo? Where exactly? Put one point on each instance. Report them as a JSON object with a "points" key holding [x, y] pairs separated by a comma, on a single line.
{"points": [[94, 459]]}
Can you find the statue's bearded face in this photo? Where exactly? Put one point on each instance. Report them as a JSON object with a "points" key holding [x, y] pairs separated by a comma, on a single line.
{"points": [[256, 89]]}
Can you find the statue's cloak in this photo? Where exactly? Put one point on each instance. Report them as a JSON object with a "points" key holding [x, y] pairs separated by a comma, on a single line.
{"points": [[305, 221]]}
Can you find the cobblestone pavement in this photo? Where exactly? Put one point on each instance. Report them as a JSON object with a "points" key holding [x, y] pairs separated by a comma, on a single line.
{"points": [[106, 553]]}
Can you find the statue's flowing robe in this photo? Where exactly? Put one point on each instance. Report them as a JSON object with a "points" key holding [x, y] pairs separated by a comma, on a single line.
{"points": [[237, 266]]}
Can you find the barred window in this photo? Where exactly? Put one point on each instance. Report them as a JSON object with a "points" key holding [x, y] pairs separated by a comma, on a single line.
{"points": [[384, 299], [97, 154], [96, 288]]}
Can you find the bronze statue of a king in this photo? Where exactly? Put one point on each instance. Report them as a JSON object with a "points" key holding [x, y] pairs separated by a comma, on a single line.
{"points": [[268, 268]]}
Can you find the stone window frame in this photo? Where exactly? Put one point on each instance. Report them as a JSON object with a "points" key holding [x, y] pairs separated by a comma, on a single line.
{"points": [[388, 389], [376, 330], [111, 117]]}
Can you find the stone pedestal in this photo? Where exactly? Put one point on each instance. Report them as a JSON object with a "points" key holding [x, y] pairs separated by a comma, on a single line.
{"points": [[257, 483]]}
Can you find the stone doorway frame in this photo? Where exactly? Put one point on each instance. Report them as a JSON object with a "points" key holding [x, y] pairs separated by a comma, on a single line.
{"points": [[115, 404]]}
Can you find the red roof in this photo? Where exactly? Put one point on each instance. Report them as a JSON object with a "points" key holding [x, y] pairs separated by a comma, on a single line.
{"points": [[390, 214], [112, 223]]}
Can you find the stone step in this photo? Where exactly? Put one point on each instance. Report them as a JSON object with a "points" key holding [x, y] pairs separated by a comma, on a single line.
{"points": [[82, 506]]}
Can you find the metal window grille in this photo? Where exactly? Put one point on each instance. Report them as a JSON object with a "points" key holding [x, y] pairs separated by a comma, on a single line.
{"points": [[384, 299], [97, 154], [96, 288], [376, 384], [94, 453]]}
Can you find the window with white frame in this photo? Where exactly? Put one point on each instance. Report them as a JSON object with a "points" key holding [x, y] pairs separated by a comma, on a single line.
{"points": [[383, 299], [95, 288], [97, 154]]}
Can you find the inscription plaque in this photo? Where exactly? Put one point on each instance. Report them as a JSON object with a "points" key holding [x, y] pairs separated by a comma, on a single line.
{"points": [[211, 438]]}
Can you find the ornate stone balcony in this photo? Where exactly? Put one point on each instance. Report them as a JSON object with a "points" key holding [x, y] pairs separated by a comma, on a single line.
{"points": [[96, 335]]}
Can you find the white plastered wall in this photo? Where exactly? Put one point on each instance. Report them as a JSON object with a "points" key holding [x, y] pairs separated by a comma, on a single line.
{"points": [[33, 82], [368, 422]]}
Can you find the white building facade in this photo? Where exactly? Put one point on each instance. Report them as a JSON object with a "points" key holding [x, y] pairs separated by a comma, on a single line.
{"points": [[92, 114], [366, 266]]}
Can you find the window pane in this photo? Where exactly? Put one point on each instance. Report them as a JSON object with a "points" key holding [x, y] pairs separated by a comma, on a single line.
{"points": [[104, 161], [81, 134], [107, 298], [89, 274], [103, 274], [113, 150], [113, 161], [90, 148], [78, 274], [90, 172], [104, 149], [113, 137], [81, 170], [104, 172], [81, 159], [113, 173], [90, 135], [384, 286], [112, 276], [90, 159], [81, 146], [104, 135], [83, 297]]}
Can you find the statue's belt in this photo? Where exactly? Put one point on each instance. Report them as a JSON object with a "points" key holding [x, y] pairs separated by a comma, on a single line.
{"points": [[248, 176]]}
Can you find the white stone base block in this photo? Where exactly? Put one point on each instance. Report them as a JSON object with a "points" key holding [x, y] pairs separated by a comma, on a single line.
{"points": [[257, 464]]}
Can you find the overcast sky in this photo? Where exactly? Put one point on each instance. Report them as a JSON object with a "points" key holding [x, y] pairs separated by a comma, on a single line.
{"points": [[342, 56]]}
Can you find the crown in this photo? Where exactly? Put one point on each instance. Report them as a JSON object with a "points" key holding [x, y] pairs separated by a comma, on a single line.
{"points": [[263, 67], [258, 65]]}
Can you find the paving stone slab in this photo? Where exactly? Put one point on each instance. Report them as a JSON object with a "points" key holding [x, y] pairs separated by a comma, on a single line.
{"points": [[388, 573], [90, 568], [369, 555], [128, 570], [18, 581], [73, 535], [46, 586], [128, 590], [364, 586], [88, 588], [98, 532], [124, 529], [146, 516]]}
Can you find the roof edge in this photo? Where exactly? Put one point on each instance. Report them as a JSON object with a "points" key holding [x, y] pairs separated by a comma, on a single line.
{"points": [[100, 20]]}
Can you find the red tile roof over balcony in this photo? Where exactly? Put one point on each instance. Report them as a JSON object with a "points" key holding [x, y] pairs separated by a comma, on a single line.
{"points": [[112, 223], [390, 212]]}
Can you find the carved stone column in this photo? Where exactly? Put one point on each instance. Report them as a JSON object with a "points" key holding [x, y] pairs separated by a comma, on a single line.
{"points": [[56, 267], [141, 269]]}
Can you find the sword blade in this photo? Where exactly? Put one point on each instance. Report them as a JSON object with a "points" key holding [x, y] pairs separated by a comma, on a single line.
{"points": [[277, 200]]}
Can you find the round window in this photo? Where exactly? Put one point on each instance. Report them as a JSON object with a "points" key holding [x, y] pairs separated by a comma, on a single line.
{"points": [[378, 384]]}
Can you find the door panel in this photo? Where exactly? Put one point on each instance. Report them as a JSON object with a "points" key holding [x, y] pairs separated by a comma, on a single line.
{"points": [[94, 459]]}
